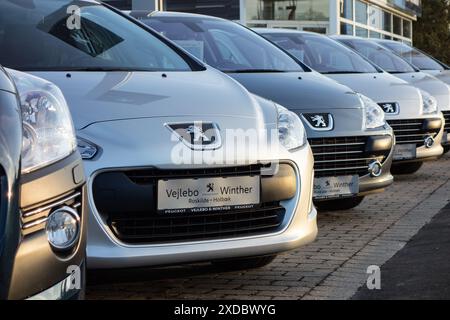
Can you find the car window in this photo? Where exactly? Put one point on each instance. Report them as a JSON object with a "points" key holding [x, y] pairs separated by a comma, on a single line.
{"points": [[50, 36], [382, 57], [417, 58], [321, 53], [225, 45]]}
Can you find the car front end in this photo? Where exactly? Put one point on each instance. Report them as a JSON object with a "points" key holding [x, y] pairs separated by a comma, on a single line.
{"points": [[49, 260]]}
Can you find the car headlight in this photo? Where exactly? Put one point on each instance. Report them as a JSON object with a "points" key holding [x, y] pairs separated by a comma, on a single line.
{"points": [[63, 228], [291, 132], [48, 132], [373, 114], [429, 103]]}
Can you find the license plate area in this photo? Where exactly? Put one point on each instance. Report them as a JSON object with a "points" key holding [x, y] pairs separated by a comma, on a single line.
{"points": [[405, 151], [335, 187], [202, 195]]}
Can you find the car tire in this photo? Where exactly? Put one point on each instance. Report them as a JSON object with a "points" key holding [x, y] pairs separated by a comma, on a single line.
{"points": [[406, 168], [446, 148], [244, 263], [338, 205]]}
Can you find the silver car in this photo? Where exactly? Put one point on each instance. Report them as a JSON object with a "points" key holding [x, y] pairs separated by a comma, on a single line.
{"points": [[395, 65], [350, 140], [419, 59], [412, 113], [182, 163]]}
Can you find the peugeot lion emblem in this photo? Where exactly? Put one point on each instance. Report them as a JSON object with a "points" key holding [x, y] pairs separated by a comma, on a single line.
{"points": [[197, 135], [390, 107], [319, 121]]}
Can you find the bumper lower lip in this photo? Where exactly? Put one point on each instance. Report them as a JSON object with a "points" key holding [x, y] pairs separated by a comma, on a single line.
{"points": [[63, 290]]}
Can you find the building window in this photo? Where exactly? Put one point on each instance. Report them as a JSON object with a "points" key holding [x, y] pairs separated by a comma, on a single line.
{"points": [[361, 12], [374, 34], [284, 10], [227, 9], [316, 29], [397, 25], [385, 36], [387, 21], [407, 29], [361, 32], [347, 9], [346, 29], [120, 4], [375, 17]]}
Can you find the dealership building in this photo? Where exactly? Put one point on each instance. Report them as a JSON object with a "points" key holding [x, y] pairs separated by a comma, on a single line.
{"points": [[388, 19]]}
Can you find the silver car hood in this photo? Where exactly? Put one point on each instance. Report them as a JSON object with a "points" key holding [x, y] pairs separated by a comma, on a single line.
{"points": [[443, 75], [385, 88], [432, 85], [107, 96], [299, 90]]}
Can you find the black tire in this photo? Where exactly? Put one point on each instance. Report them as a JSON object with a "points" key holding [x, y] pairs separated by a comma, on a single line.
{"points": [[446, 148], [406, 168], [338, 205], [244, 263]]}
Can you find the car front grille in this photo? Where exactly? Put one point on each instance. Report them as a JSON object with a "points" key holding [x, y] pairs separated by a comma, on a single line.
{"points": [[143, 224], [34, 219], [447, 120], [134, 228], [411, 131], [342, 156]]}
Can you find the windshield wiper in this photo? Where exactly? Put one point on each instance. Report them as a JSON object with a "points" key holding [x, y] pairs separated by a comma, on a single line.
{"points": [[341, 72], [107, 69], [255, 71]]}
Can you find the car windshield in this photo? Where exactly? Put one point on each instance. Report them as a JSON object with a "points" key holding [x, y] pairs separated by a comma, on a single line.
{"points": [[224, 45], [66, 35], [417, 58], [321, 53], [379, 55]]}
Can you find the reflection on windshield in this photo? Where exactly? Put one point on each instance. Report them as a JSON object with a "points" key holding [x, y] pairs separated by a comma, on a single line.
{"points": [[35, 36], [417, 58], [380, 56], [224, 45], [321, 53]]}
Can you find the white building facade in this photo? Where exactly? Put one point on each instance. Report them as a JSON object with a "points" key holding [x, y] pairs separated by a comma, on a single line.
{"points": [[389, 19]]}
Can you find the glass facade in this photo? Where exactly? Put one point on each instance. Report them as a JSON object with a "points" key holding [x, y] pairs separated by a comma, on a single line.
{"points": [[296, 10], [387, 19]]}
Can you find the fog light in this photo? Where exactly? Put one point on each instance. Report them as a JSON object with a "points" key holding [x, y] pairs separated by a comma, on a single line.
{"points": [[429, 142], [63, 228], [375, 168]]}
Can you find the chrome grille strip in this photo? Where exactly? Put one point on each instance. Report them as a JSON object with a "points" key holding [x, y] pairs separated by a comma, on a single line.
{"points": [[51, 205]]}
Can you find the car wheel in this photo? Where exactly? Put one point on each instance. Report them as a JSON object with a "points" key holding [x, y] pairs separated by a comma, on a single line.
{"points": [[406, 168], [244, 263], [446, 148], [341, 204]]}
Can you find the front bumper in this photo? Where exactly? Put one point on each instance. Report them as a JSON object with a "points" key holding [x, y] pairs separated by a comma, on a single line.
{"points": [[430, 127], [60, 184], [68, 289], [105, 250]]}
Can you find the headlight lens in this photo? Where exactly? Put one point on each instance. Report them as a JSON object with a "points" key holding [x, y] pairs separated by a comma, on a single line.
{"points": [[63, 228], [290, 129], [373, 114], [48, 132], [429, 102]]}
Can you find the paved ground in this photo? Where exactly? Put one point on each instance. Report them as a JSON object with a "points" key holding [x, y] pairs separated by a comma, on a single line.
{"points": [[333, 267], [420, 270]]}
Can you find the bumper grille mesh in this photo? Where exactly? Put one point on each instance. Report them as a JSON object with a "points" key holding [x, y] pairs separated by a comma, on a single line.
{"points": [[411, 131], [342, 156], [447, 120]]}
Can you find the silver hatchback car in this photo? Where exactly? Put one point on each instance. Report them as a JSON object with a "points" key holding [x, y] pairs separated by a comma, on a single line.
{"points": [[182, 163], [400, 68], [413, 114], [351, 142]]}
